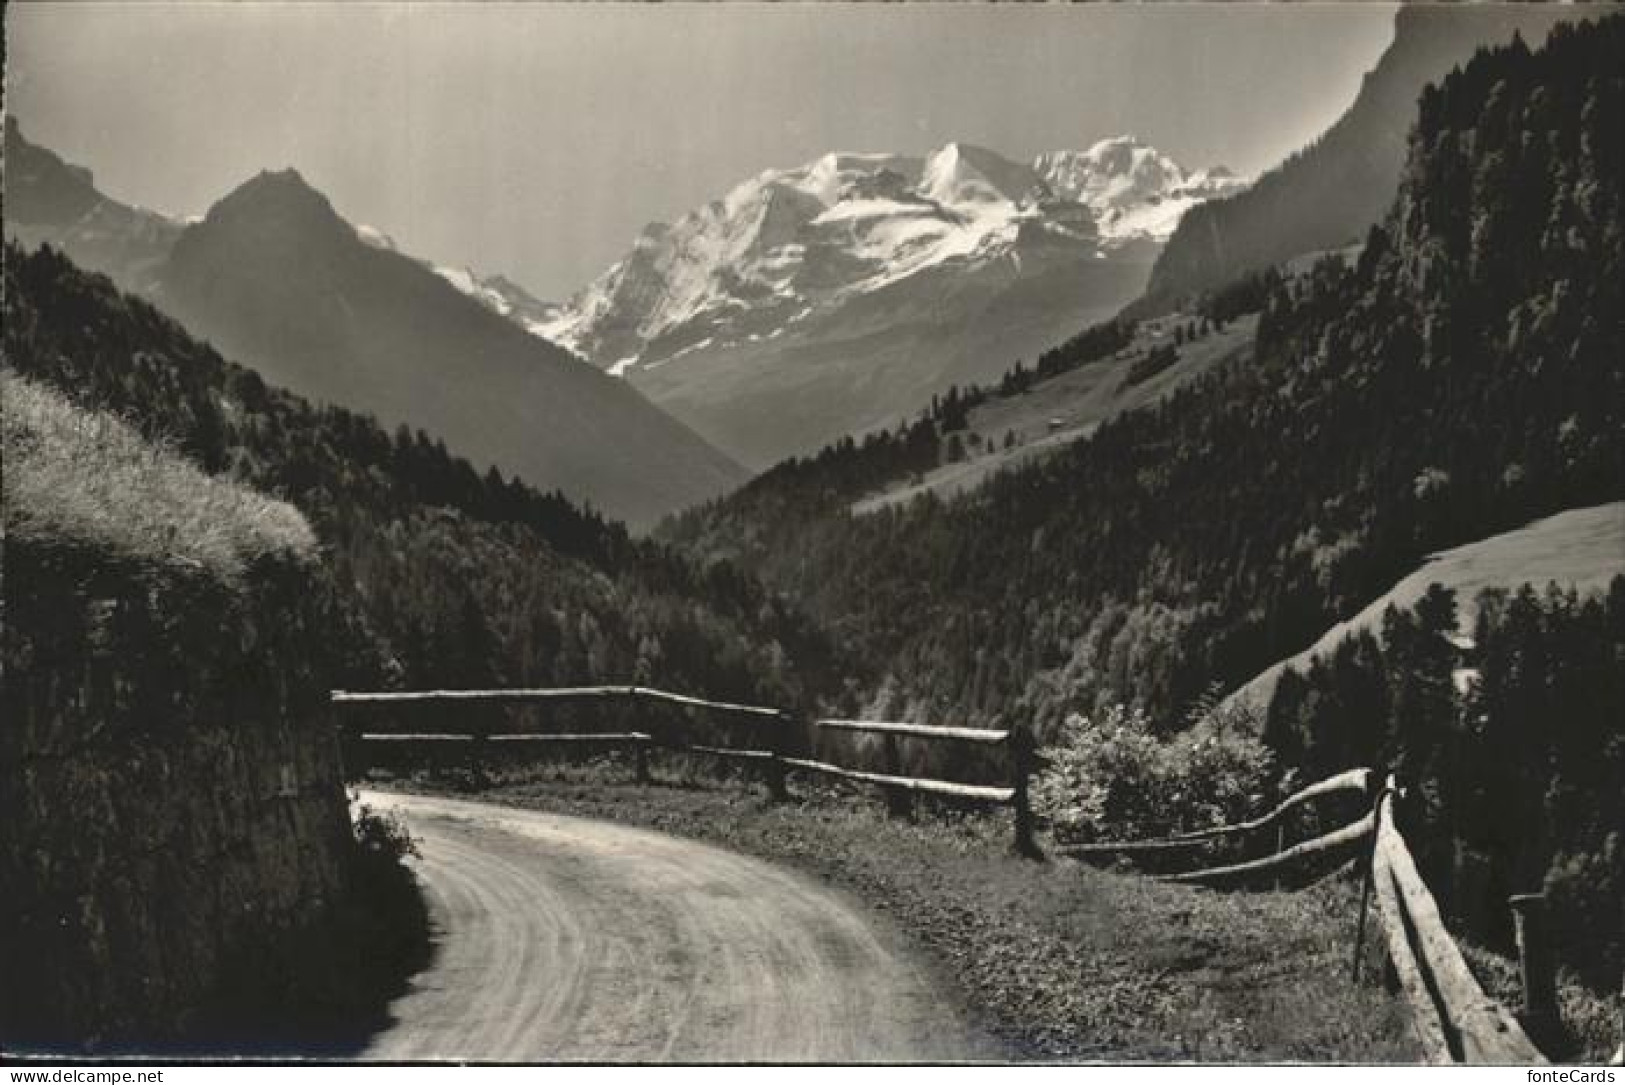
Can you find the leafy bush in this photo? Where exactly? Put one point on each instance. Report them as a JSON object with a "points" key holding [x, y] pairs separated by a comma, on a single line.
{"points": [[382, 839], [1116, 777]]}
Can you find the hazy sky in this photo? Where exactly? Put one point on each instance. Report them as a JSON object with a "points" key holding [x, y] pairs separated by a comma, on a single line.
{"points": [[537, 139]]}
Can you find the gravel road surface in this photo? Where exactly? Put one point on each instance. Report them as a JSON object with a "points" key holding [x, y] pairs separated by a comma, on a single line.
{"points": [[565, 939]]}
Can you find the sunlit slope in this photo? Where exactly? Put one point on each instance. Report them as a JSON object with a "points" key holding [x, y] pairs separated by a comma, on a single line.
{"points": [[1581, 548]]}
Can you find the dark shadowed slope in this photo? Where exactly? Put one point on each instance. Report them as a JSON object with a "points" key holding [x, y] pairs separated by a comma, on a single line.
{"points": [[1328, 194], [273, 276], [564, 939], [277, 279]]}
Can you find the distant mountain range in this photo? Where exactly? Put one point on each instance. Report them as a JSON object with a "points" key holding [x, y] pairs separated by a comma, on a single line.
{"points": [[840, 294], [1328, 195], [274, 278]]}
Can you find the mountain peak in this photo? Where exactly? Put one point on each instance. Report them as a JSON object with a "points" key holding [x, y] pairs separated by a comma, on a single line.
{"points": [[788, 246], [282, 197], [966, 173]]}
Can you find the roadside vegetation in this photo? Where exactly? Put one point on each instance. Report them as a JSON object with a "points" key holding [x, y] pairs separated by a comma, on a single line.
{"points": [[84, 479]]}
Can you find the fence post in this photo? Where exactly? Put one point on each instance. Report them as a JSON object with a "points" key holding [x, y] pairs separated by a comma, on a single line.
{"points": [[1280, 846], [477, 776], [1539, 1010], [776, 789], [1370, 874], [640, 761], [1021, 759], [899, 801]]}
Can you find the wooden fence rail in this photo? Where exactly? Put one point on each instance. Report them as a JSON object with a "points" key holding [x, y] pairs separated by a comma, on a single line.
{"points": [[606, 738], [976, 792], [1200, 839], [917, 730], [1329, 845], [542, 696], [1453, 1019], [1352, 780], [1456, 1021], [775, 760]]}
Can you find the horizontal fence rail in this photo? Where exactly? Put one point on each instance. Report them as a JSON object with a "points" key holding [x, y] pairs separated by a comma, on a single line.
{"points": [[917, 730], [1201, 839], [775, 760], [1330, 844], [543, 696], [605, 737], [1352, 780], [1137, 847], [976, 792]]}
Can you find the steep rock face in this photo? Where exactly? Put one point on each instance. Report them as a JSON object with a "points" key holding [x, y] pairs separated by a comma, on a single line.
{"points": [[1327, 195], [276, 278], [50, 200], [832, 297], [172, 792]]}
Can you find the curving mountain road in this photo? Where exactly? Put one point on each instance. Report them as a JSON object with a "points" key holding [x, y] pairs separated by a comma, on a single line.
{"points": [[563, 939]]}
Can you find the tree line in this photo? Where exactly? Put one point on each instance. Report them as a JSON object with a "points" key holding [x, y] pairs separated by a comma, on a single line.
{"points": [[445, 574]]}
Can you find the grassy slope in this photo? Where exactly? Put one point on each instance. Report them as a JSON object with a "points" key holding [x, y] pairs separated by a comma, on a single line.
{"points": [[1584, 548], [83, 479], [1057, 960], [1077, 401]]}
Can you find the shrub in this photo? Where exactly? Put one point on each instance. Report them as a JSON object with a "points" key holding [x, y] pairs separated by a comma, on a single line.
{"points": [[382, 840], [1115, 777]]}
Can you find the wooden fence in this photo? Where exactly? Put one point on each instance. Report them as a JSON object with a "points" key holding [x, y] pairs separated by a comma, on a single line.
{"points": [[1454, 1021], [780, 737]]}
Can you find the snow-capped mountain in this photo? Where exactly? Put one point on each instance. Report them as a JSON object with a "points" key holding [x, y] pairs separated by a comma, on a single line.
{"points": [[788, 244], [1134, 190], [504, 297], [497, 293], [880, 272]]}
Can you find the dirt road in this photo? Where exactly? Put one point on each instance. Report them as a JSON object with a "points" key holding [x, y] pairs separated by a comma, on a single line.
{"points": [[564, 939]]}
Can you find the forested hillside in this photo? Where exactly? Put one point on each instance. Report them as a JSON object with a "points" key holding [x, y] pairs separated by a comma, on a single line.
{"points": [[1462, 378], [446, 576]]}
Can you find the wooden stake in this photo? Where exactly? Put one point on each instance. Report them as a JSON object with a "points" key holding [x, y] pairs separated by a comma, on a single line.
{"points": [[1539, 1009], [1365, 887], [1280, 846], [1021, 744], [899, 801], [774, 769]]}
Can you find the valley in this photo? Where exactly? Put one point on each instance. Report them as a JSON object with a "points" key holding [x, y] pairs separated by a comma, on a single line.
{"points": [[835, 297]]}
